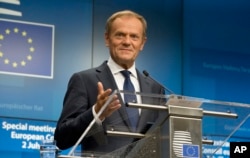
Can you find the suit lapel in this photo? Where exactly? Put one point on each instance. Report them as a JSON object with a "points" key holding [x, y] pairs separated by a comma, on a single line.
{"points": [[105, 76], [145, 88], [144, 83]]}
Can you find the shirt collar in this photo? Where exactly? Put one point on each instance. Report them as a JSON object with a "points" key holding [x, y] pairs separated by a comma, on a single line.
{"points": [[115, 68]]}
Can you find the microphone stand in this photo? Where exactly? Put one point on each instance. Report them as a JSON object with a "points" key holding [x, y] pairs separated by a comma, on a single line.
{"points": [[147, 75]]}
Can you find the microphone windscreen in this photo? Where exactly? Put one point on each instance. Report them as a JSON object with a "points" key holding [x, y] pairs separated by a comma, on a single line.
{"points": [[145, 73]]}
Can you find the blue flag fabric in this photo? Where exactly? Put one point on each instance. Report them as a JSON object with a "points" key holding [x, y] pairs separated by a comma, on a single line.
{"points": [[190, 151], [26, 49]]}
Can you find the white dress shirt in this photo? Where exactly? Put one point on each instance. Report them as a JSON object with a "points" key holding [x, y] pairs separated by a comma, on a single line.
{"points": [[119, 79]]}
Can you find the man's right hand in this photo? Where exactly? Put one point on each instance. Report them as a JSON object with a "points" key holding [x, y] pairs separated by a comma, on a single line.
{"points": [[102, 97]]}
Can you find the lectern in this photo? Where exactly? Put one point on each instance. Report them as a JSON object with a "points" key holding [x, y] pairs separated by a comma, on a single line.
{"points": [[187, 127]]}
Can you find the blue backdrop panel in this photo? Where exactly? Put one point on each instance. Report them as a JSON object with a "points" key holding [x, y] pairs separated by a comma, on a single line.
{"points": [[216, 49], [216, 65], [22, 137], [53, 39]]}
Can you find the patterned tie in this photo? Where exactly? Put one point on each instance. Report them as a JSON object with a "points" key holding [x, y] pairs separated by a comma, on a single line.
{"points": [[133, 113]]}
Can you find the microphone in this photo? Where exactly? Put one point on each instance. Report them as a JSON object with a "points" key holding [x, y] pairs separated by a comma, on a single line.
{"points": [[147, 75]]}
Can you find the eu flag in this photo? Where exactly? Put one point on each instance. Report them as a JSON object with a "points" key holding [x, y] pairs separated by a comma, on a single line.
{"points": [[190, 151], [26, 48]]}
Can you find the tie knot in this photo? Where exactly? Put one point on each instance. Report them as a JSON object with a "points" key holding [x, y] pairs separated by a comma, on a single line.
{"points": [[126, 73]]}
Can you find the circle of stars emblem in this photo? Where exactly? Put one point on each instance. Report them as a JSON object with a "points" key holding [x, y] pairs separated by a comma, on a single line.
{"points": [[5, 56]]}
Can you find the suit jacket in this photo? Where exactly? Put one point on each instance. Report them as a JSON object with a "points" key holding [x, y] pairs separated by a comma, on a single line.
{"points": [[77, 114]]}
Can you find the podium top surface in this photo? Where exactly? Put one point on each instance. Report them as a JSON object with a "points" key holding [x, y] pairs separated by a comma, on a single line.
{"points": [[180, 100]]}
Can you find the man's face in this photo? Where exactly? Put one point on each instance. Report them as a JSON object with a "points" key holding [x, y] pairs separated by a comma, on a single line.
{"points": [[125, 40]]}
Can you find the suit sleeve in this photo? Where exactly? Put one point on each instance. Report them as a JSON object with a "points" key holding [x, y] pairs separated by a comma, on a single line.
{"points": [[76, 113]]}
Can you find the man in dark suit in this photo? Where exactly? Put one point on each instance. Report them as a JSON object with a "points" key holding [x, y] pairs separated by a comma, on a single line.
{"points": [[88, 90]]}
